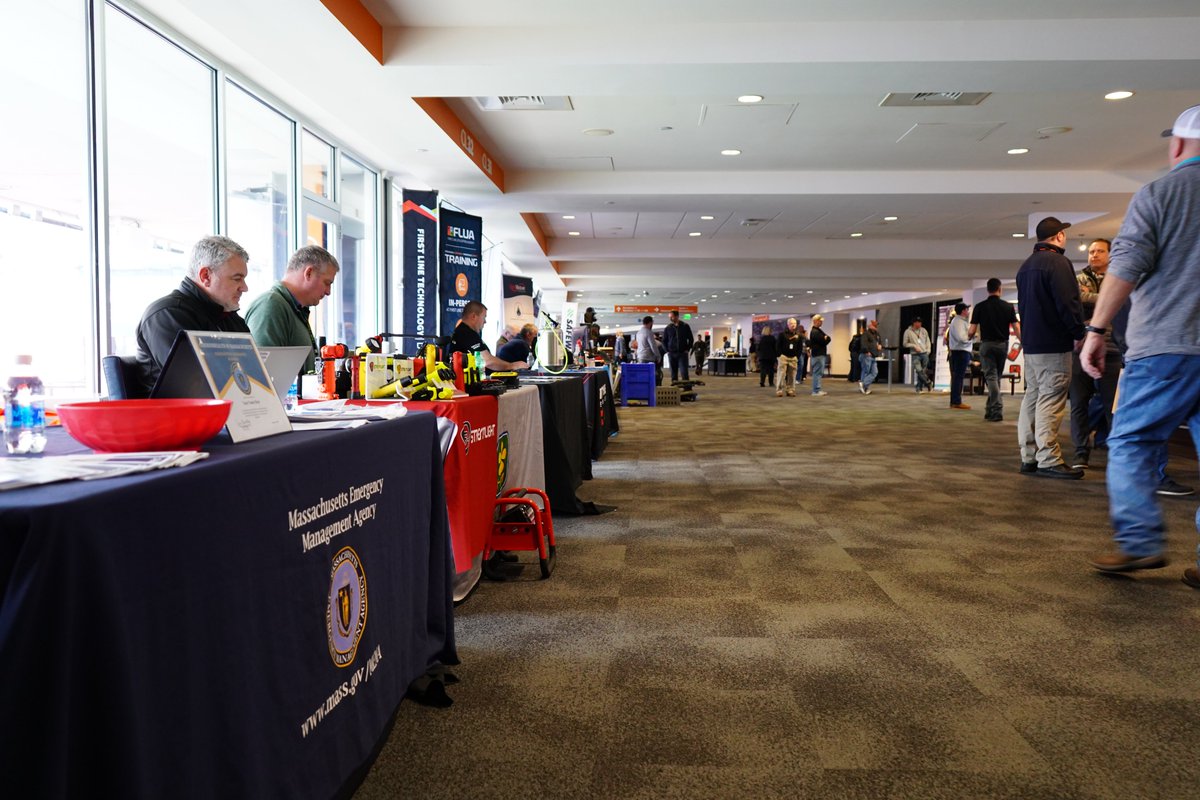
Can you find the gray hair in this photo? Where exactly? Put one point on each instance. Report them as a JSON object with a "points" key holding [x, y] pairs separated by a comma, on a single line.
{"points": [[312, 255], [214, 252]]}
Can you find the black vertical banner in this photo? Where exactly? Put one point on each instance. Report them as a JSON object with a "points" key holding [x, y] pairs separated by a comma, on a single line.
{"points": [[420, 274], [462, 255]]}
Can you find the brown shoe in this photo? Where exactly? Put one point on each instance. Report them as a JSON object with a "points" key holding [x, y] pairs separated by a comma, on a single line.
{"points": [[960, 406], [1119, 562], [1191, 577]]}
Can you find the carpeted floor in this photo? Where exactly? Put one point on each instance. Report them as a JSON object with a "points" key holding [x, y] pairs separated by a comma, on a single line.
{"points": [[844, 597]]}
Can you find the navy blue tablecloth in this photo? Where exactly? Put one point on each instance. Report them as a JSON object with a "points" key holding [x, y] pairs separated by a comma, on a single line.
{"points": [[242, 627]]}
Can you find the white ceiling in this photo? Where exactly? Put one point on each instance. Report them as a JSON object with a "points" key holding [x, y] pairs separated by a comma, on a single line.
{"points": [[820, 158]]}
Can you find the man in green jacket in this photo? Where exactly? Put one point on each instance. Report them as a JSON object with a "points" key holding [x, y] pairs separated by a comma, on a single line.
{"points": [[279, 317]]}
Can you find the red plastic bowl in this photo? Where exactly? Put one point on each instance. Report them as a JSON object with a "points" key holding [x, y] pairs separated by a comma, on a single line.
{"points": [[127, 426]]}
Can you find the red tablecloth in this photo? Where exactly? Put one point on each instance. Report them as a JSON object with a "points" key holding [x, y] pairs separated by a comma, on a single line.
{"points": [[470, 475]]}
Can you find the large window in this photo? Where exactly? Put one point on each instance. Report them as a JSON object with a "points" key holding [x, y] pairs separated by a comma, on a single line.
{"points": [[360, 285], [258, 146], [44, 229], [147, 172], [161, 153]]}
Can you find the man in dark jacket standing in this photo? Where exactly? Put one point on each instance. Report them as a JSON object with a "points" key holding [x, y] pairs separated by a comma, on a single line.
{"points": [[767, 353], [677, 341], [1051, 324], [870, 348], [818, 344]]}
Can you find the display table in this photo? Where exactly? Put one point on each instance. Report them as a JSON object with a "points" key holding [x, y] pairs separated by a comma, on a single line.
{"points": [[726, 365], [520, 457], [565, 440], [599, 407], [470, 476], [242, 627]]}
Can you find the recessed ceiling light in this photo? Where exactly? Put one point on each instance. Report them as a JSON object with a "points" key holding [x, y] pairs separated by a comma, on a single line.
{"points": [[847, 296], [598, 132], [1018, 151], [773, 300], [890, 219], [864, 293], [810, 291], [790, 296], [707, 217], [1083, 248], [1120, 94], [855, 235], [1018, 236], [694, 233], [572, 233], [714, 296], [726, 292], [812, 304], [568, 216], [750, 98], [703, 299], [731, 152], [826, 299]]}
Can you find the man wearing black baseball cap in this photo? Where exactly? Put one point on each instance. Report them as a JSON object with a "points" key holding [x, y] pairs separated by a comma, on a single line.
{"points": [[1051, 323], [1157, 251]]}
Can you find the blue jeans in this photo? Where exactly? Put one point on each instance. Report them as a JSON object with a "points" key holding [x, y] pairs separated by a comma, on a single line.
{"points": [[818, 371], [959, 361], [869, 368], [920, 363], [1157, 395], [679, 362]]}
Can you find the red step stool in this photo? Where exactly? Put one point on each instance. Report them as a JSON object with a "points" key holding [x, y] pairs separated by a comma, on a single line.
{"points": [[522, 524]]}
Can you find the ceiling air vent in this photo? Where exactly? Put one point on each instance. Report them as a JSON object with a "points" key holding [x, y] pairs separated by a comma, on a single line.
{"points": [[525, 102], [929, 99], [753, 222]]}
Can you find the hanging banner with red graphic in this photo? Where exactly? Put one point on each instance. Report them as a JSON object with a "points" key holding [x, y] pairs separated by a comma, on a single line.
{"points": [[419, 275], [461, 259]]}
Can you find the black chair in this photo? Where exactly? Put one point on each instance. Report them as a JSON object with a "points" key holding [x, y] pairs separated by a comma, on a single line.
{"points": [[123, 377]]}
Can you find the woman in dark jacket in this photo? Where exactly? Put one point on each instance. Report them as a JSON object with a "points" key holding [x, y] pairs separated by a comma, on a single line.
{"points": [[767, 356]]}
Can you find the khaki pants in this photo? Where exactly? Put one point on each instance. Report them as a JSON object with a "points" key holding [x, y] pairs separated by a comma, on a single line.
{"points": [[1047, 378], [785, 374]]}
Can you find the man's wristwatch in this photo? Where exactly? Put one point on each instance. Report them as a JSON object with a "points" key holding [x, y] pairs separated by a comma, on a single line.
{"points": [[1094, 329]]}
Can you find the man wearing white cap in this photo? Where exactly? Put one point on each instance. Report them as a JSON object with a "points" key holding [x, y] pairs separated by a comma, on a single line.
{"points": [[1156, 260]]}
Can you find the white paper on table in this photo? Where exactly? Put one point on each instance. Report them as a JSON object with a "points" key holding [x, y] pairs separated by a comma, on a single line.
{"points": [[16, 473]]}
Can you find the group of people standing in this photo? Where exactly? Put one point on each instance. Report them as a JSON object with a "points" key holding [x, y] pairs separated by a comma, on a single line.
{"points": [[783, 359]]}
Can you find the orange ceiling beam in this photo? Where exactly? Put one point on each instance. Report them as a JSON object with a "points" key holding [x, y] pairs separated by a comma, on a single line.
{"points": [[441, 113], [535, 228], [362, 25]]}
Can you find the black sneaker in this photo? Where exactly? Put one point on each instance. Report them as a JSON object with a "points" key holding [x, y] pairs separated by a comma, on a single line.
{"points": [[1059, 471], [1028, 467], [1172, 489]]}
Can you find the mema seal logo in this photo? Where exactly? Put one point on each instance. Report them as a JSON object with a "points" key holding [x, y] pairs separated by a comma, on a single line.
{"points": [[346, 611]]}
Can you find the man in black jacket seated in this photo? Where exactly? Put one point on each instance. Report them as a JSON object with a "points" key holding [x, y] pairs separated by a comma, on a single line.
{"points": [[207, 300]]}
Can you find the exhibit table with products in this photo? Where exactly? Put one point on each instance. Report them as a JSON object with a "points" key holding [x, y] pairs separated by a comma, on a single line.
{"points": [[470, 478], [566, 439], [726, 365], [244, 626]]}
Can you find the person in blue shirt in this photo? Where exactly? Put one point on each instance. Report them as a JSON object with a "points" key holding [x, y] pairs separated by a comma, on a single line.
{"points": [[519, 347]]}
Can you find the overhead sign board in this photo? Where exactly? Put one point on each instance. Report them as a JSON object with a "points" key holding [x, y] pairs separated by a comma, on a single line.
{"points": [[654, 309]]}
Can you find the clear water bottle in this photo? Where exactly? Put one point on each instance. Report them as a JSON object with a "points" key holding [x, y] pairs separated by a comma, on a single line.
{"points": [[24, 410]]}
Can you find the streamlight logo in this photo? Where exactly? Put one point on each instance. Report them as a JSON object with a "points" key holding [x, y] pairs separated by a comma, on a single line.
{"points": [[472, 436]]}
